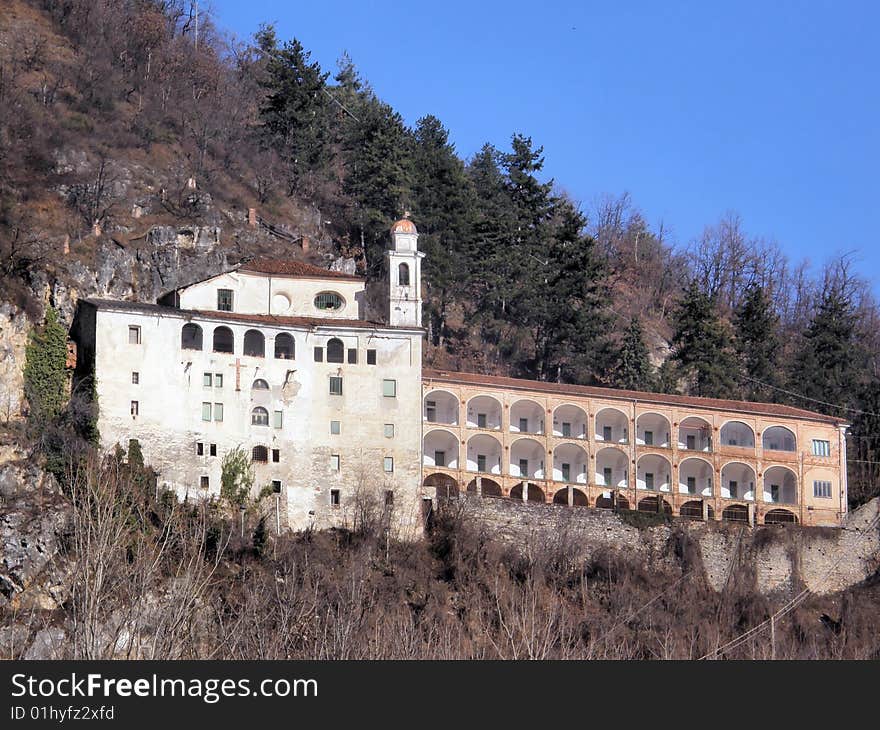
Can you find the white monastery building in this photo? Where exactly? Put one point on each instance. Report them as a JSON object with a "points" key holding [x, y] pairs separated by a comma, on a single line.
{"points": [[337, 416]]}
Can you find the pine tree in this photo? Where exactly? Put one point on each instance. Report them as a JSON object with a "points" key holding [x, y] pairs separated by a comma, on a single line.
{"points": [[756, 328], [294, 113], [701, 345], [378, 175], [830, 360], [442, 208], [633, 369]]}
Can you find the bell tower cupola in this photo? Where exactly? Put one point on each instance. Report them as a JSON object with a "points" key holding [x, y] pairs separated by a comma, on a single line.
{"points": [[405, 273]]}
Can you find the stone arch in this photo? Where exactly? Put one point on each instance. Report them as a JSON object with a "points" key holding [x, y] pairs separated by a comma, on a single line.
{"points": [[403, 274], [485, 410], [778, 438], [695, 434], [612, 426], [490, 487], [695, 476], [606, 501], [780, 485], [737, 481], [735, 513], [780, 517], [653, 429], [488, 447], [440, 445], [526, 416], [654, 504], [612, 468], [223, 340], [569, 421], [446, 487], [440, 406], [536, 494], [191, 337], [692, 510], [653, 472], [254, 344], [527, 458], [737, 433], [570, 464], [578, 498]]}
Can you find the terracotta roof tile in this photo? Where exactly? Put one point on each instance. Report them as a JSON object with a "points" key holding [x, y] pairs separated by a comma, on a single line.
{"points": [[767, 409], [265, 319], [294, 268]]}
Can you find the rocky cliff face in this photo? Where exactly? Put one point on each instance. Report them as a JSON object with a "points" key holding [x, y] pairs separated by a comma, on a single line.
{"points": [[34, 519]]}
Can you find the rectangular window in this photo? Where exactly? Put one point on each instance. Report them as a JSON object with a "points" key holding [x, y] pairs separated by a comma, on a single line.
{"points": [[566, 429], [205, 482], [134, 335], [200, 448], [276, 485], [481, 420], [224, 300], [388, 464], [135, 378], [481, 462], [335, 427], [389, 388], [278, 419], [352, 356], [733, 486], [218, 380], [212, 450], [774, 492], [389, 498], [692, 485], [691, 442], [523, 467], [206, 411], [821, 448], [334, 497], [335, 385], [135, 408], [649, 480], [389, 430], [276, 455], [649, 438], [334, 462], [319, 354], [606, 433], [371, 357], [207, 380], [523, 425], [431, 411], [606, 476], [566, 472], [439, 458], [822, 489], [218, 411]]}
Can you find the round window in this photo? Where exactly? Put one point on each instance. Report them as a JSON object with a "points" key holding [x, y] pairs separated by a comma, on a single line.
{"points": [[328, 300]]}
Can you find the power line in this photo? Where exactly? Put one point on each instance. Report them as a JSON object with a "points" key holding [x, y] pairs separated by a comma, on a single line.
{"points": [[340, 105], [813, 400], [791, 605]]}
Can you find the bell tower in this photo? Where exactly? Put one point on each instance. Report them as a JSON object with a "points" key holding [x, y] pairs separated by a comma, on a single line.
{"points": [[404, 275]]}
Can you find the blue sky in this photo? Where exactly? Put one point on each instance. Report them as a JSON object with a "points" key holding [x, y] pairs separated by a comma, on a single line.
{"points": [[769, 109]]}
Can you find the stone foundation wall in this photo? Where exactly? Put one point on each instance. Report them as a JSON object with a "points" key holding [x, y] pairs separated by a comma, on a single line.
{"points": [[785, 558]]}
